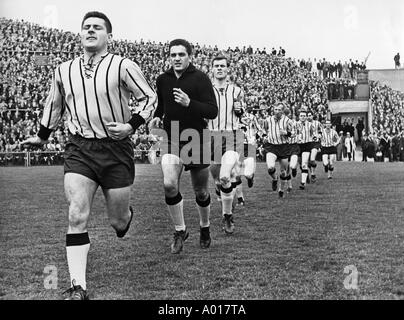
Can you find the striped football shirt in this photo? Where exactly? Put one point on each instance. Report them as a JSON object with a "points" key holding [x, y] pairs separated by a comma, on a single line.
{"points": [[273, 126], [329, 138], [294, 137], [305, 132], [317, 128], [98, 95], [226, 118]]}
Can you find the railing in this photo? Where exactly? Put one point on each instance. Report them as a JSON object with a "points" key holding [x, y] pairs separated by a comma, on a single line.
{"points": [[56, 158]]}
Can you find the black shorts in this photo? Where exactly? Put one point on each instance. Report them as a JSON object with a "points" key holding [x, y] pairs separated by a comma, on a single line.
{"points": [[192, 158], [294, 149], [329, 150], [108, 162], [316, 145], [305, 147], [282, 151], [230, 141]]}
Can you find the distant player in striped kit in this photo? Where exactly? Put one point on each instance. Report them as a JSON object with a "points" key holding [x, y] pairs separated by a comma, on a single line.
{"points": [[329, 141], [229, 100], [94, 91], [305, 138], [278, 129], [253, 129], [316, 145], [294, 149]]}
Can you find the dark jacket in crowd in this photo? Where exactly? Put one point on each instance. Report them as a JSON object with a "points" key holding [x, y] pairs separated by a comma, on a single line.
{"points": [[368, 148]]}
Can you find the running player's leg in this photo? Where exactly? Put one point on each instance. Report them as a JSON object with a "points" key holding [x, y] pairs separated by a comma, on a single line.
{"points": [[271, 160], [249, 170], [79, 192], [331, 165], [119, 213], [229, 161], [284, 164], [293, 164], [313, 164], [305, 168], [215, 172], [325, 163], [172, 166], [200, 179]]}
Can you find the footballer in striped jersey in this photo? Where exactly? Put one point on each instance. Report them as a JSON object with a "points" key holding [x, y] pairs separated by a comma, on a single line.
{"points": [[278, 129], [225, 128], [294, 149], [316, 146], [329, 141], [305, 138]]}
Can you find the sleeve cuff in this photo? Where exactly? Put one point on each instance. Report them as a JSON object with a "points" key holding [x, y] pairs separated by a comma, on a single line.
{"points": [[44, 132], [136, 121]]}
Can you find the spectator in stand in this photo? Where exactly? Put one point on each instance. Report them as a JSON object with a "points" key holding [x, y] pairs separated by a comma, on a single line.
{"points": [[359, 128], [350, 146], [319, 68], [340, 146], [397, 63]]}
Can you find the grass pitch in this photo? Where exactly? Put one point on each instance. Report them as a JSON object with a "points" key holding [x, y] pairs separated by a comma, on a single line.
{"points": [[292, 248]]}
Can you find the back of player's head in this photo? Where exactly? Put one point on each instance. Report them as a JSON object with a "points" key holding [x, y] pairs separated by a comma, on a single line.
{"points": [[181, 42], [220, 57], [97, 14]]}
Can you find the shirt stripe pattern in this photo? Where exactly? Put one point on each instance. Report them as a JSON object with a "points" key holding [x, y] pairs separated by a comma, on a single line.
{"points": [[329, 138], [305, 132], [226, 119], [92, 101], [294, 138], [273, 126]]}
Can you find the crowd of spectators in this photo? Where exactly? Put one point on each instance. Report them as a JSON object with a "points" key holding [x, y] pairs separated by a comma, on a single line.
{"points": [[30, 52], [388, 121]]}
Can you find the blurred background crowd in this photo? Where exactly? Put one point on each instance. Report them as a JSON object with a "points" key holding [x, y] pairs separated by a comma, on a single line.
{"points": [[30, 52]]}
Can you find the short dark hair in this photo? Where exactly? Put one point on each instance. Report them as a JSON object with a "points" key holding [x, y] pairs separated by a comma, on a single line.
{"points": [[96, 14], [220, 57], [181, 42]]}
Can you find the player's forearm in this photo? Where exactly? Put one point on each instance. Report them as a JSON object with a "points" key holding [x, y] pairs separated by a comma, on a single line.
{"points": [[207, 110]]}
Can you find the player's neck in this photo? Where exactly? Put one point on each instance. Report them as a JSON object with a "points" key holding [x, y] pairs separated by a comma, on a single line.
{"points": [[220, 83], [94, 55]]}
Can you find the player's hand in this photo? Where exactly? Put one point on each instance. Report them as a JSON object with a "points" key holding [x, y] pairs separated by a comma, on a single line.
{"points": [[238, 108], [181, 97], [283, 132], [154, 123], [119, 131], [34, 141]]}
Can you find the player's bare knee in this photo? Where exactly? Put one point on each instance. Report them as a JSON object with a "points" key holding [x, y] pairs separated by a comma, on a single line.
{"points": [[283, 173], [201, 195], [170, 188], [271, 169], [77, 218], [225, 181], [118, 223]]}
